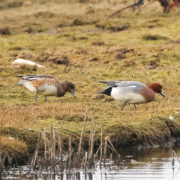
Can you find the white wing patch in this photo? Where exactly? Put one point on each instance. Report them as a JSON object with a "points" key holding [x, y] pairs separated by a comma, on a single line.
{"points": [[29, 86]]}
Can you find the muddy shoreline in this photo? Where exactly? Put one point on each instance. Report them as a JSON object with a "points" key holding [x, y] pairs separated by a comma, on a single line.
{"points": [[120, 140]]}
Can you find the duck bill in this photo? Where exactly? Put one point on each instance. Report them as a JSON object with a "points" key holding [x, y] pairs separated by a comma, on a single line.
{"points": [[162, 94], [73, 93]]}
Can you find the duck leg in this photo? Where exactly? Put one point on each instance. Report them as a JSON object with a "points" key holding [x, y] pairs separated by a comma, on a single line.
{"points": [[135, 107], [123, 105], [45, 98], [36, 96]]}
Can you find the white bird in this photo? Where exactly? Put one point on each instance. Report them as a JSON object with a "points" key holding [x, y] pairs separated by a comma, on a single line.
{"points": [[27, 63]]}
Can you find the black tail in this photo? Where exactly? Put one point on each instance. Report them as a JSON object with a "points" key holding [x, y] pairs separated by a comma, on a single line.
{"points": [[106, 91]]}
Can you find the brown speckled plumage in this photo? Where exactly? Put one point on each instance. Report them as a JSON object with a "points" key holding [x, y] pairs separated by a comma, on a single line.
{"points": [[49, 85]]}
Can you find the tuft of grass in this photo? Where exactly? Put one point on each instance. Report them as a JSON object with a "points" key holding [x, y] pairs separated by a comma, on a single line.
{"points": [[154, 37], [14, 144], [13, 151]]}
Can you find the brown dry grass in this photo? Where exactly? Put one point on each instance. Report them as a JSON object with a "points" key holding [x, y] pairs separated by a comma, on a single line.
{"points": [[13, 145]]}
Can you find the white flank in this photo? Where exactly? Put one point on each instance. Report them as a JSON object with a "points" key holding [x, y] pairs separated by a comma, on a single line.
{"points": [[49, 90], [131, 97], [23, 62]]}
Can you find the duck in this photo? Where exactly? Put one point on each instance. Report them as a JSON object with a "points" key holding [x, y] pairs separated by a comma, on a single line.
{"points": [[131, 92], [46, 84]]}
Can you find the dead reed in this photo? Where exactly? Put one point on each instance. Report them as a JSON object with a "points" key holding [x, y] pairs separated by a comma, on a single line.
{"points": [[52, 156], [1, 164], [82, 132]]}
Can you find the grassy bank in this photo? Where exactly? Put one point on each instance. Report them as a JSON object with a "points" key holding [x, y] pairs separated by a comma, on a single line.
{"points": [[142, 47]]}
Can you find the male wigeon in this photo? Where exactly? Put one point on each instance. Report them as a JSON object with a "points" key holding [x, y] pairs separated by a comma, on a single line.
{"points": [[132, 92], [46, 84]]}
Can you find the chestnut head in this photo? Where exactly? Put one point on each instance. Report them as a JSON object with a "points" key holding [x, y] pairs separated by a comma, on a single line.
{"points": [[156, 87]]}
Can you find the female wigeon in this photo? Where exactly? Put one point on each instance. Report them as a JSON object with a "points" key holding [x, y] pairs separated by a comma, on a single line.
{"points": [[46, 84], [131, 91]]}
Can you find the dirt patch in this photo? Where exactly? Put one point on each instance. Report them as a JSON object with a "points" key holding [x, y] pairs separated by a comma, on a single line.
{"points": [[77, 22], [25, 55], [150, 37], [129, 64], [64, 60], [153, 64], [83, 1], [80, 51], [121, 50], [94, 59], [5, 31], [98, 43], [121, 28], [76, 119], [121, 53], [29, 30], [89, 10], [44, 14], [175, 42], [154, 20], [11, 4], [119, 56], [155, 23], [54, 57], [113, 28], [74, 22], [16, 48], [82, 38], [65, 24]]}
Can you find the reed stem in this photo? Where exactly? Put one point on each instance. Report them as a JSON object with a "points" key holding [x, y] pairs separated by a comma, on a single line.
{"points": [[82, 132]]}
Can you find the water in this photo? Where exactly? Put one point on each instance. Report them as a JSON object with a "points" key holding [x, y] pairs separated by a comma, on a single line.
{"points": [[133, 164]]}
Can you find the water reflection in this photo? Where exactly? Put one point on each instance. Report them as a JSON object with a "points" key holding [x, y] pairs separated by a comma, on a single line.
{"points": [[148, 165]]}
